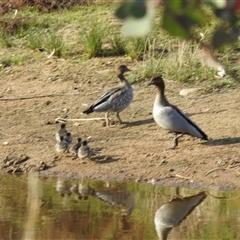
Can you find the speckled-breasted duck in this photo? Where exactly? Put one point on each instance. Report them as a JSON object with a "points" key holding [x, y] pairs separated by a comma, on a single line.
{"points": [[61, 132], [116, 99], [61, 146], [74, 148], [171, 118], [84, 151]]}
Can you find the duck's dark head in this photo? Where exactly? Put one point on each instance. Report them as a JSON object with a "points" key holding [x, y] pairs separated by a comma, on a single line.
{"points": [[84, 143], [79, 139], [158, 82], [63, 125], [121, 70]]}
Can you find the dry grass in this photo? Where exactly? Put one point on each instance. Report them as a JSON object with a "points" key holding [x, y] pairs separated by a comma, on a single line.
{"points": [[44, 5]]}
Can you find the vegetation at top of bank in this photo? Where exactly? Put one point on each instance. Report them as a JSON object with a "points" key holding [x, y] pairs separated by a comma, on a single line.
{"points": [[78, 33]]}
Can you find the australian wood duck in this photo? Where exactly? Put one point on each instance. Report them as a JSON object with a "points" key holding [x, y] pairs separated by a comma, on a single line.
{"points": [[61, 146], [116, 99], [68, 138], [61, 132], [74, 148], [169, 117], [84, 151]]}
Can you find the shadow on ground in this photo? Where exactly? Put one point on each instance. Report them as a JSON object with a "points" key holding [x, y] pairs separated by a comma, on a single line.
{"points": [[139, 122], [222, 141], [104, 159]]}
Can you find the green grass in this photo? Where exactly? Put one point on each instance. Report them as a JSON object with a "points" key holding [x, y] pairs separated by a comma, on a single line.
{"points": [[54, 44], [5, 40], [93, 31], [13, 60], [118, 44], [93, 41]]}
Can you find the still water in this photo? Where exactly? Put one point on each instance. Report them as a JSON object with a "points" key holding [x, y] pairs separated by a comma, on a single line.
{"points": [[59, 208]]}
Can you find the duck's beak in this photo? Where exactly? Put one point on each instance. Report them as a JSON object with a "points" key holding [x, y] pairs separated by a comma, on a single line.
{"points": [[128, 70]]}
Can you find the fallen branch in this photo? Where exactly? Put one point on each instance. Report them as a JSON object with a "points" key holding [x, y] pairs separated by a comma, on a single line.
{"points": [[222, 168], [63, 120], [1, 132], [215, 169], [40, 96], [180, 176]]}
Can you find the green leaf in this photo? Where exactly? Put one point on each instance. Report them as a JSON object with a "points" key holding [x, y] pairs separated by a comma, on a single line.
{"points": [[174, 5], [123, 11], [138, 9], [197, 16], [176, 25], [138, 26], [133, 8]]}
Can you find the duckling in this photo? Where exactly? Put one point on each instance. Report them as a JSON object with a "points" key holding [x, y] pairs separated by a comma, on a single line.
{"points": [[61, 132], [116, 99], [74, 148], [61, 146], [84, 151], [68, 138], [171, 118]]}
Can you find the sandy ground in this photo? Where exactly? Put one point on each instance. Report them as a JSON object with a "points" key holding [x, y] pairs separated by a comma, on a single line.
{"points": [[133, 151]]}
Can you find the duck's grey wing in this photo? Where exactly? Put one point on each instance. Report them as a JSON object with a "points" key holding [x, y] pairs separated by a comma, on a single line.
{"points": [[175, 120], [191, 127], [102, 104]]}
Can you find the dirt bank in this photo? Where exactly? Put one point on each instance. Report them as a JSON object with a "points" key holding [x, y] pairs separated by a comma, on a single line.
{"points": [[132, 151]]}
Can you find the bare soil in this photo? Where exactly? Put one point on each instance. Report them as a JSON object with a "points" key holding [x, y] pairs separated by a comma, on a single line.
{"points": [[33, 95]]}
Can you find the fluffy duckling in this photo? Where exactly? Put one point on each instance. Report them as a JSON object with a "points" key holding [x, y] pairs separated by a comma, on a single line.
{"points": [[68, 138], [61, 146], [74, 148], [116, 99], [171, 118], [84, 151], [61, 132]]}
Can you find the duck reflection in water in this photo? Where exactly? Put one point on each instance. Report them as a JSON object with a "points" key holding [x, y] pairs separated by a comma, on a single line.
{"points": [[63, 187], [121, 199], [172, 213]]}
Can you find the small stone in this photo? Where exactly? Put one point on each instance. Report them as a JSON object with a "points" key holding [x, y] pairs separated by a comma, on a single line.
{"points": [[5, 143], [65, 110], [187, 91]]}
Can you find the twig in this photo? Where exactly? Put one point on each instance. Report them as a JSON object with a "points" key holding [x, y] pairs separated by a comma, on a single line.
{"points": [[215, 169], [180, 176], [9, 134], [63, 120], [222, 168], [40, 96]]}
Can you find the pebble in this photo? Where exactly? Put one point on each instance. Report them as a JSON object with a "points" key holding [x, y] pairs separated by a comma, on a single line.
{"points": [[187, 91]]}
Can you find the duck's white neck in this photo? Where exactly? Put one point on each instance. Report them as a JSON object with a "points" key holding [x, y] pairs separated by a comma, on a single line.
{"points": [[161, 99]]}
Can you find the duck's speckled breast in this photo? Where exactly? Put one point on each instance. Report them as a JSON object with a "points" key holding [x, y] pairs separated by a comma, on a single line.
{"points": [[123, 100]]}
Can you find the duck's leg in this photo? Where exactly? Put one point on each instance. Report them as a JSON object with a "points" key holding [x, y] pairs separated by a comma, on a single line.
{"points": [[175, 141], [107, 120], [118, 116]]}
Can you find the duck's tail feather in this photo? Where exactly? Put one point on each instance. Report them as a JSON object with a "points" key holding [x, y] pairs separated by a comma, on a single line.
{"points": [[88, 111]]}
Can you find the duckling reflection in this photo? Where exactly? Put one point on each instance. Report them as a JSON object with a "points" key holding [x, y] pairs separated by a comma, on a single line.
{"points": [[172, 213], [84, 191], [120, 198], [63, 187]]}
